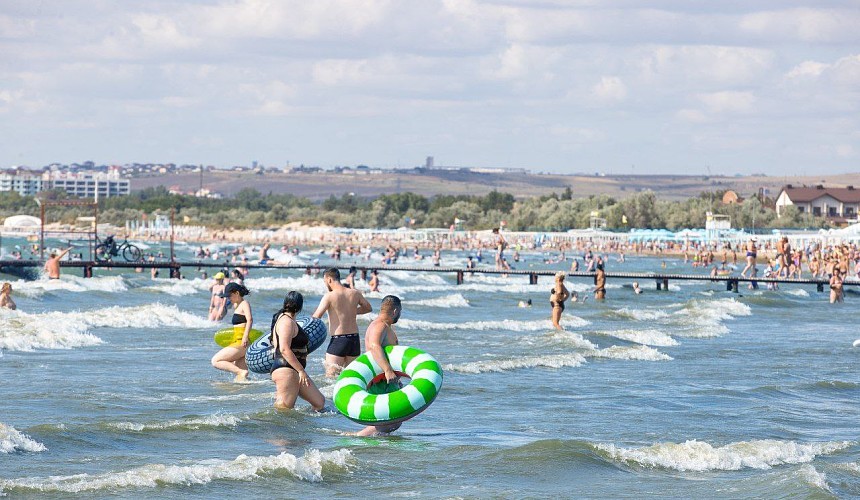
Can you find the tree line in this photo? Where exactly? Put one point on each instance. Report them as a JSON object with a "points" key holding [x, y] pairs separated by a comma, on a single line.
{"points": [[251, 209]]}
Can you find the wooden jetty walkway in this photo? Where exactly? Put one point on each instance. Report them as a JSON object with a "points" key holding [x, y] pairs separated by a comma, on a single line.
{"points": [[660, 279]]}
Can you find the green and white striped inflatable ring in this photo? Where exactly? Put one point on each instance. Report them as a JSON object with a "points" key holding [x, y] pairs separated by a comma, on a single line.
{"points": [[354, 391]]}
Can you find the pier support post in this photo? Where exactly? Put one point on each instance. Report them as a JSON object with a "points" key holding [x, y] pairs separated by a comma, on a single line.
{"points": [[459, 277], [666, 284], [88, 271], [174, 272], [728, 285], [820, 287], [363, 274], [308, 271], [533, 279], [735, 286], [659, 285]]}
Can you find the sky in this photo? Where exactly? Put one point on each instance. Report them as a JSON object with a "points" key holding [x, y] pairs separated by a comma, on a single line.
{"points": [[612, 86]]}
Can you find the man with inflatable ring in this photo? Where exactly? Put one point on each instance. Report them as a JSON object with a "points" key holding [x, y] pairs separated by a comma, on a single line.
{"points": [[343, 305], [380, 334]]}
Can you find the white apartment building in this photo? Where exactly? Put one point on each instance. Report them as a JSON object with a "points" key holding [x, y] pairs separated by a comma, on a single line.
{"points": [[25, 185], [88, 185]]}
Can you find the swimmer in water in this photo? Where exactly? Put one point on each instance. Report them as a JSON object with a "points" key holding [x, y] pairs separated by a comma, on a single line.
{"points": [[374, 281], [52, 265], [290, 342], [217, 303], [557, 298], [232, 358], [525, 303], [343, 305], [380, 333], [6, 297], [636, 288]]}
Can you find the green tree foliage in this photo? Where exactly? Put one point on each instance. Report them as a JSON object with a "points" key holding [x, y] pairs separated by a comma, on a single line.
{"points": [[250, 208]]}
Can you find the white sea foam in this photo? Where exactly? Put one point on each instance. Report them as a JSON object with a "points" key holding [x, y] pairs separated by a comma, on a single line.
{"points": [[798, 292], [179, 288], [70, 284], [504, 365], [504, 324], [217, 420], [11, 440], [641, 314], [304, 284], [447, 301], [704, 318], [639, 353], [645, 337], [852, 467], [809, 475], [308, 467], [700, 456], [20, 331], [572, 339]]}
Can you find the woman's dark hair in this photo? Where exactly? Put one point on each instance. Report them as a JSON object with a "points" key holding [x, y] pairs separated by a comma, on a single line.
{"points": [[352, 270], [293, 303]]}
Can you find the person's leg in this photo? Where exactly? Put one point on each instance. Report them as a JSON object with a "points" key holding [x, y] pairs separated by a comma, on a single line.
{"points": [[231, 359], [286, 387], [333, 365], [312, 395], [556, 317]]}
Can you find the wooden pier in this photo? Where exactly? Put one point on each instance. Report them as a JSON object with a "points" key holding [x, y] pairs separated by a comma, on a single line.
{"points": [[661, 280]]}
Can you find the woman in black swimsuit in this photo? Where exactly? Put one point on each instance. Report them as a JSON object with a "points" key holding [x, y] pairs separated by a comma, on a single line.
{"points": [[232, 358], [557, 298], [291, 352]]}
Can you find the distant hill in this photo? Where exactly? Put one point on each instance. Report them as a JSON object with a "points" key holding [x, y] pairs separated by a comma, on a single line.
{"points": [[321, 185]]}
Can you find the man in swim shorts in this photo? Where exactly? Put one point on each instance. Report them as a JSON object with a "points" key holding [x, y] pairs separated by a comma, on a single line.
{"points": [[52, 265], [343, 305], [380, 333]]}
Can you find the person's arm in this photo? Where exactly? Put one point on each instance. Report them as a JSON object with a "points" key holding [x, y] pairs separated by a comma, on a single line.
{"points": [[63, 254], [364, 306], [565, 294], [321, 309], [286, 332], [248, 324], [373, 341]]}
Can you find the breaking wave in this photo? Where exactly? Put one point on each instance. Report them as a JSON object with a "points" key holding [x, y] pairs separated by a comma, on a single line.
{"points": [[504, 365], [70, 284], [504, 324], [308, 467], [11, 440], [700, 456], [217, 420], [455, 300]]}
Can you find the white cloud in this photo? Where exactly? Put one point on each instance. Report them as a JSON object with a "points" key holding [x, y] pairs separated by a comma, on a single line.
{"points": [[488, 81], [610, 88]]}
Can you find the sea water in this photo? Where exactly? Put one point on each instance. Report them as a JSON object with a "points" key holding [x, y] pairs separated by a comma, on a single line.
{"points": [[694, 392]]}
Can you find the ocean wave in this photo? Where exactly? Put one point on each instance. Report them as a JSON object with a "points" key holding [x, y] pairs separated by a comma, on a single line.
{"points": [[638, 353], [11, 440], [572, 339], [798, 292], [146, 316], [809, 475], [70, 284], [304, 284], [638, 314], [704, 318], [504, 365], [455, 300], [194, 423], [700, 456], [179, 288], [21, 331], [504, 324], [308, 467], [644, 337]]}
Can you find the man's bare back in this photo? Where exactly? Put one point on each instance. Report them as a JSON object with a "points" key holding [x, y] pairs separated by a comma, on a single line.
{"points": [[343, 305]]}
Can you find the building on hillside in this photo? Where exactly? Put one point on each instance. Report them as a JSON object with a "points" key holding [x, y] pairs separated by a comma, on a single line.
{"points": [[23, 184], [836, 204], [88, 185]]}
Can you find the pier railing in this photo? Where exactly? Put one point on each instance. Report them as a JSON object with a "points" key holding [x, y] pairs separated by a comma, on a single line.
{"points": [[661, 280]]}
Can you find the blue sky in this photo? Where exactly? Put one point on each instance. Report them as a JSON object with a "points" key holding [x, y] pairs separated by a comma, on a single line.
{"points": [[555, 86]]}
